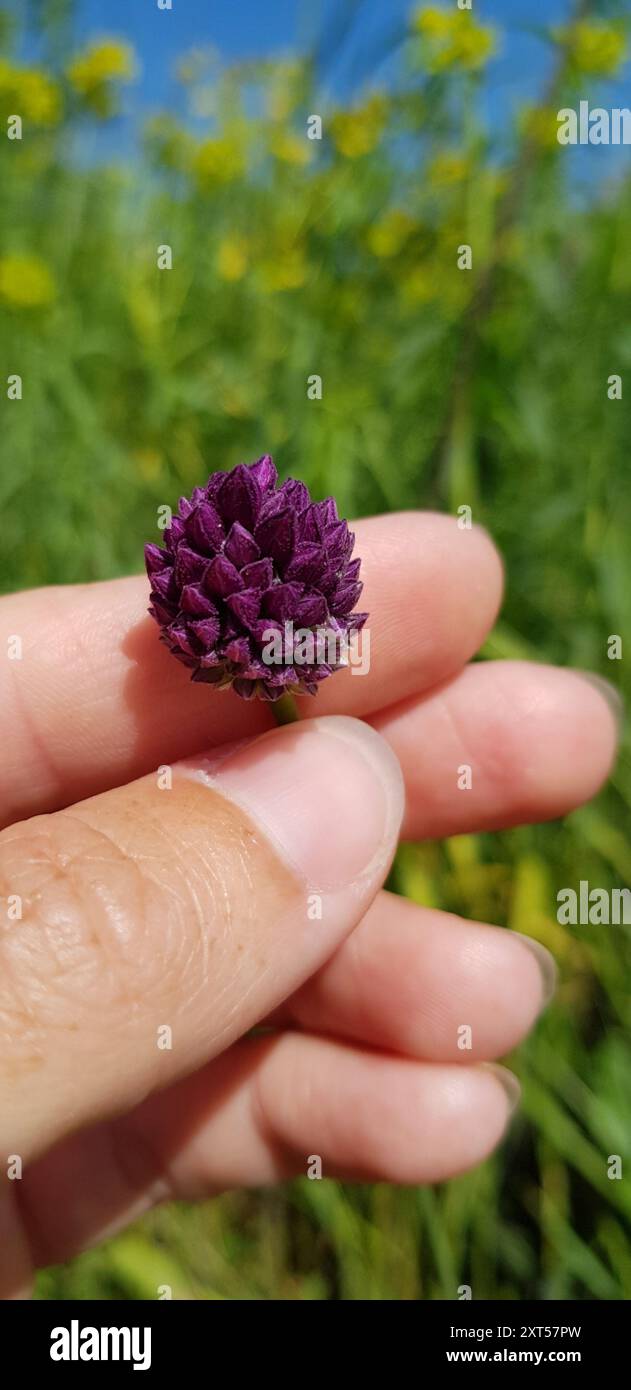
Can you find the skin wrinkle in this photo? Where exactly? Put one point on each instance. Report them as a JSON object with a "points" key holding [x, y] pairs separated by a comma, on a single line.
{"points": [[139, 1165], [451, 720], [274, 1112], [225, 917], [7, 971], [23, 978], [112, 913], [360, 963], [495, 756], [498, 751], [33, 738], [158, 864], [172, 855], [58, 635], [232, 994], [425, 637], [525, 713], [501, 756], [202, 872], [281, 1153], [63, 963], [68, 951], [131, 957]]}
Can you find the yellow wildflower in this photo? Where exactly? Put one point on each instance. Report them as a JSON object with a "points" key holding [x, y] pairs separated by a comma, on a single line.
{"points": [[170, 143], [512, 246], [232, 258], [595, 49], [148, 463], [26, 282], [433, 22], [103, 62], [492, 183], [144, 309], [447, 169], [356, 133], [540, 124], [350, 304], [437, 279], [277, 428], [286, 89], [236, 401], [30, 93], [453, 40], [419, 285], [387, 237], [286, 270], [290, 148], [218, 160]]}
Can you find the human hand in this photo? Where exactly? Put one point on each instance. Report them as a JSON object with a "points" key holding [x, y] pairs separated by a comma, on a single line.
{"points": [[212, 905]]}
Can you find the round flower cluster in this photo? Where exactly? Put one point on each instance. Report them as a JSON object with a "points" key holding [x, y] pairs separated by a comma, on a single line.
{"points": [[248, 570]]}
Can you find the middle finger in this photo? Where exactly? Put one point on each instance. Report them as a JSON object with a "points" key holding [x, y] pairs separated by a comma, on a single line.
{"points": [[427, 984]]}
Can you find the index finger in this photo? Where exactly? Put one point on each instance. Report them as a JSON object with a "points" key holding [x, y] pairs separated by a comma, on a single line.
{"points": [[96, 700]]}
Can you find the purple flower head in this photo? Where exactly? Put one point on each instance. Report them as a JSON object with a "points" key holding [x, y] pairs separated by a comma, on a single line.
{"points": [[255, 586]]}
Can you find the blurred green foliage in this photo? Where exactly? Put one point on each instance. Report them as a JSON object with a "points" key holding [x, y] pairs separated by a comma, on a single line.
{"points": [[441, 388]]}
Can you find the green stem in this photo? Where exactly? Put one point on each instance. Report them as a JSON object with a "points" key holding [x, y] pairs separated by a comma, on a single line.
{"points": [[285, 710]]}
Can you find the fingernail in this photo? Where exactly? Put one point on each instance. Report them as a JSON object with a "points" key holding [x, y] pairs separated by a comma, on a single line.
{"points": [[327, 792], [508, 1081], [609, 693], [547, 965]]}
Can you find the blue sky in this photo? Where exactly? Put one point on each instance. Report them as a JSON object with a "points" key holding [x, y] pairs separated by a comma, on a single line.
{"points": [[248, 28], [254, 28]]}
